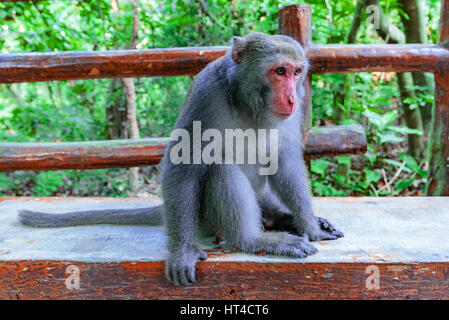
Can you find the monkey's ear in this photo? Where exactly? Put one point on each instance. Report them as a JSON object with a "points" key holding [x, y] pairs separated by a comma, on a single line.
{"points": [[238, 49]]}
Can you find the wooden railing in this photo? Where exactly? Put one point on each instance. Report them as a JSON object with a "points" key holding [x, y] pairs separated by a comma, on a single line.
{"points": [[295, 21], [75, 65]]}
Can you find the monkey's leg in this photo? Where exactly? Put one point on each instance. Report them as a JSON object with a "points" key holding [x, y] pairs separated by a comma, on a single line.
{"points": [[293, 190], [231, 207], [181, 207], [277, 217]]}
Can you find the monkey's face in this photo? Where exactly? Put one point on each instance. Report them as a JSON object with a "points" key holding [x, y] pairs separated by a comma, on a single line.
{"points": [[270, 71], [283, 77]]}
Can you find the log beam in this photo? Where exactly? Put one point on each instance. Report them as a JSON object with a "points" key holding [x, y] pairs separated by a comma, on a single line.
{"points": [[31, 279], [321, 141], [76, 65]]}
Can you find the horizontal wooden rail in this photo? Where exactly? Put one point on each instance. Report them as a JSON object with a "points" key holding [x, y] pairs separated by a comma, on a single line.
{"points": [[74, 65], [336, 58], [321, 141]]}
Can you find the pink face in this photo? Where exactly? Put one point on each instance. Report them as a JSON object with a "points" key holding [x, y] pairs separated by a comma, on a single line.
{"points": [[283, 77]]}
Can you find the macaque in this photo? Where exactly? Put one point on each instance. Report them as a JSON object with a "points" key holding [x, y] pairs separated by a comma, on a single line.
{"points": [[257, 86]]}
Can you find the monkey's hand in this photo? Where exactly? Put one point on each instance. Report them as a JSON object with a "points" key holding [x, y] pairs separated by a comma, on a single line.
{"points": [[180, 266], [326, 231]]}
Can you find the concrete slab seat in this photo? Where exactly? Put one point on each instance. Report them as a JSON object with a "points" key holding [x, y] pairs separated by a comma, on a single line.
{"points": [[393, 248]]}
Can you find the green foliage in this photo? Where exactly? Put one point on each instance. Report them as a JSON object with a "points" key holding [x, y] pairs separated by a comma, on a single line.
{"points": [[76, 110], [6, 184], [47, 183]]}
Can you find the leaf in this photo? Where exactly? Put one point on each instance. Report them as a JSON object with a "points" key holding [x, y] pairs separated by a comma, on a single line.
{"points": [[389, 138], [396, 164], [371, 176], [319, 165], [349, 122], [326, 190], [344, 160], [413, 106], [404, 183], [363, 185], [370, 156], [47, 183], [411, 163], [404, 130], [5, 182], [381, 121]]}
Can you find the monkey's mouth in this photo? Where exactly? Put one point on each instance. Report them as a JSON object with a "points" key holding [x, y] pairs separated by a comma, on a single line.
{"points": [[281, 115]]}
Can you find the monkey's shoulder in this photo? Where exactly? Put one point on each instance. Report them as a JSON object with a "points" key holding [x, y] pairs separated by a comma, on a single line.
{"points": [[208, 94]]}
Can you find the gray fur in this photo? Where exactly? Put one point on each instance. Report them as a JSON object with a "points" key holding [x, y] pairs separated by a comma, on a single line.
{"points": [[233, 92], [231, 200], [140, 216]]}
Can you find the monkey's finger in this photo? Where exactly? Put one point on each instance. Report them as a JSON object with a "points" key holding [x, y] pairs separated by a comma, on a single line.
{"points": [[338, 234], [169, 271], [190, 273], [181, 274], [299, 253], [174, 277], [202, 255], [309, 249], [328, 236]]}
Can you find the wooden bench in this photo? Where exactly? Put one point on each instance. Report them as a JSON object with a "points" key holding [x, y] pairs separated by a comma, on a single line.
{"points": [[401, 242], [393, 247]]}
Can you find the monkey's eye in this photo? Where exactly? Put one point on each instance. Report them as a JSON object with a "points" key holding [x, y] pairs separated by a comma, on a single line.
{"points": [[298, 71], [280, 71]]}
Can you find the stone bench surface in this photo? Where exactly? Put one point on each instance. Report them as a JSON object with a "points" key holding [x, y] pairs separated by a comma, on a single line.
{"points": [[377, 230]]}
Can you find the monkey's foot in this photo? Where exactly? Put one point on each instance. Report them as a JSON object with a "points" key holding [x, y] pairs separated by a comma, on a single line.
{"points": [[327, 231], [282, 243], [180, 267]]}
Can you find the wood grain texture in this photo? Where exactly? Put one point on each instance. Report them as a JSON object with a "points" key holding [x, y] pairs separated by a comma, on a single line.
{"points": [[127, 262], [75, 65], [224, 280], [321, 141], [328, 141], [336, 58], [296, 21], [439, 135], [444, 23], [439, 152]]}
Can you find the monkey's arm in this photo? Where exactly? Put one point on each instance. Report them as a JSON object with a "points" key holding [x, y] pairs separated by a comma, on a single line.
{"points": [[181, 208], [141, 216], [290, 183]]}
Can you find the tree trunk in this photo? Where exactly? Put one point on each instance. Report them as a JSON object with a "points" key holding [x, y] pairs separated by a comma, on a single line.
{"points": [[341, 96], [391, 34], [415, 32], [416, 144], [115, 112], [131, 112]]}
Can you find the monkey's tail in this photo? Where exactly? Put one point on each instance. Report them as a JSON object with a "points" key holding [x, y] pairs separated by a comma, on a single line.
{"points": [[139, 216]]}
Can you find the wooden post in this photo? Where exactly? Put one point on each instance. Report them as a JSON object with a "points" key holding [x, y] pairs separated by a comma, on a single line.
{"points": [[295, 21], [438, 184]]}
